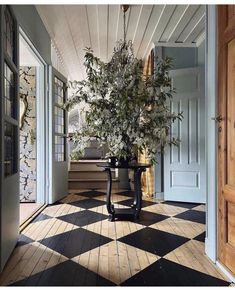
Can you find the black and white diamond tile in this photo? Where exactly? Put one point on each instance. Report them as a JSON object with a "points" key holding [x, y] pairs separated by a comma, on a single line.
{"points": [[182, 204], [119, 253], [167, 273], [180, 227], [201, 237], [83, 218], [88, 203], [154, 241], [75, 242], [127, 193], [61, 209], [191, 255], [165, 209], [148, 218], [129, 202], [193, 215], [114, 230], [41, 217], [91, 194], [72, 243], [67, 273], [23, 240]]}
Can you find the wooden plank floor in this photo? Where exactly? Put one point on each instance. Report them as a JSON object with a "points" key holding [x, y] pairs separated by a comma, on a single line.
{"points": [[75, 235]]}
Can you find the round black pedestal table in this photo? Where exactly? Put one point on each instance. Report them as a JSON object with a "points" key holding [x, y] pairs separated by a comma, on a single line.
{"points": [[125, 213]]}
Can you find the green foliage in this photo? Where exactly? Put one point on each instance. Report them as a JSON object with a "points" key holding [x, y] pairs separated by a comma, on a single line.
{"points": [[127, 111]]}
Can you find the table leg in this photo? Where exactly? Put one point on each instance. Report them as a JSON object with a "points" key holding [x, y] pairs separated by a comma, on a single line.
{"points": [[138, 192], [110, 207]]}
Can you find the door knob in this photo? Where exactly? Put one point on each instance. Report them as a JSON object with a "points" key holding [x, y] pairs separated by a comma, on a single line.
{"points": [[218, 118]]}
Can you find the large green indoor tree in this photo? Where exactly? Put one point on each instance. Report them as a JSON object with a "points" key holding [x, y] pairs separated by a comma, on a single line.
{"points": [[125, 110]]}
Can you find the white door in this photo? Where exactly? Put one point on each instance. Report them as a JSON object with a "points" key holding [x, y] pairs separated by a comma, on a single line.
{"points": [[184, 166], [58, 131], [9, 134]]}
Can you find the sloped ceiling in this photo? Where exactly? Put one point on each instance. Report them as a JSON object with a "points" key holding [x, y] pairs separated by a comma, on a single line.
{"points": [[74, 27]]}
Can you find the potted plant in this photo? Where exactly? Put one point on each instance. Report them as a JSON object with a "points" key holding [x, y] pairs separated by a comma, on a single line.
{"points": [[126, 111]]}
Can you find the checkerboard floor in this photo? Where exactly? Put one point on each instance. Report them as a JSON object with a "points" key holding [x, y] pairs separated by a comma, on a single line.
{"points": [[71, 243]]}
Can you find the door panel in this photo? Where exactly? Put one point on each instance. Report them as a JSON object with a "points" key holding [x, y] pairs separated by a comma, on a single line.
{"points": [[9, 132], [226, 136], [184, 166], [59, 144]]}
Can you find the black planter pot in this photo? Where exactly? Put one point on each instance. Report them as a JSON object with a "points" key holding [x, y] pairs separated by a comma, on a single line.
{"points": [[123, 161]]}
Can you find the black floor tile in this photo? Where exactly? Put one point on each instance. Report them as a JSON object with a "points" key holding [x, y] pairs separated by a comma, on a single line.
{"points": [[201, 237], [91, 193], [154, 241], [75, 242], [129, 202], [67, 273], [148, 218], [88, 203], [126, 193], [23, 240], [167, 273], [83, 218], [41, 217], [182, 204], [193, 216]]}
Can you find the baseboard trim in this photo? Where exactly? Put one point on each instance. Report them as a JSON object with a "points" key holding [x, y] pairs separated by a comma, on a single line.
{"points": [[226, 272]]}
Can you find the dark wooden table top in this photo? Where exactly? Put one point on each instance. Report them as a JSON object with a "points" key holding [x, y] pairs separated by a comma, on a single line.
{"points": [[130, 165]]}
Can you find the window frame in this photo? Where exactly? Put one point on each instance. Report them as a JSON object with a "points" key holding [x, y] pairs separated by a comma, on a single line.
{"points": [[58, 76], [13, 64]]}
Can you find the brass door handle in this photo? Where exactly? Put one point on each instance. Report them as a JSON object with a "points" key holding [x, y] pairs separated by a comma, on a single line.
{"points": [[218, 119]]}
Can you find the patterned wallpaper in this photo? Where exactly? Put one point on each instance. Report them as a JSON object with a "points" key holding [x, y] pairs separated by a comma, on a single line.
{"points": [[27, 134]]}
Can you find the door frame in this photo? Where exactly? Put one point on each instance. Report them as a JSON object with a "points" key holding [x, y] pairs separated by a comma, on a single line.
{"points": [[41, 128], [211, 132]]}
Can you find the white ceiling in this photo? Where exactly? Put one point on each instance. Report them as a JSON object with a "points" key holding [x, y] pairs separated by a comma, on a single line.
{"points": [[74, 27]]}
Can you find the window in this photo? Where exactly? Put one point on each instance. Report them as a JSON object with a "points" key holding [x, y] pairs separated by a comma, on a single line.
{"points": [[9, 33], [60, 136], [9, 95], [9, 92], [10, 160]]}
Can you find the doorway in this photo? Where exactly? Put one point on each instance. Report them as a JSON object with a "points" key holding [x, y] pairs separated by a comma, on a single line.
{"points": [[32, 134]]}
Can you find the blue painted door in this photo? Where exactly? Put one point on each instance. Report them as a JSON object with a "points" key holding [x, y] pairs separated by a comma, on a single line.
{"points": [[184, 166]]}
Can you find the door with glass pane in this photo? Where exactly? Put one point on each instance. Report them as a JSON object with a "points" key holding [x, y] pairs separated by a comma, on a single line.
{"points": [[59, 148], [9, 132]]}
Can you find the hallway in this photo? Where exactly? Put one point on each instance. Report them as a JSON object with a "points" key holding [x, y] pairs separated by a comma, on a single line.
{"points": [[73, 243]]}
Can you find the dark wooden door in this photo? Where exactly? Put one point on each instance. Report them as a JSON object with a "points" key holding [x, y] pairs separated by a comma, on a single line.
{"points": [[226, 135]]}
